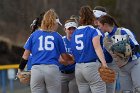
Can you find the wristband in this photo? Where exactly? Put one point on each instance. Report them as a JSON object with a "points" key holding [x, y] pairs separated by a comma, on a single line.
{"points": [[22, 64]]}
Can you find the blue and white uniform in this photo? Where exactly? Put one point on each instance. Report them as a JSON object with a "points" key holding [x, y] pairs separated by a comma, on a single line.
{"points": [[68, 81], [46, 48], [68, 68], [132, 39], [87, 64], [128, 75]]}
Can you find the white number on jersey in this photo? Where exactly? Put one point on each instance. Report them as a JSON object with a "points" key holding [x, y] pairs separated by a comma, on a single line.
{"points": [[80, 43], [48, 44]]}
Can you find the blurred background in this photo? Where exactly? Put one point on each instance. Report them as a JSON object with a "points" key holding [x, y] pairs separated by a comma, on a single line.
{"points": [[17, 15]]}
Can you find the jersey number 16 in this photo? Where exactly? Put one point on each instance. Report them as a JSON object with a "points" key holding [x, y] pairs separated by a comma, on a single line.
{"points": [[48, 43]]}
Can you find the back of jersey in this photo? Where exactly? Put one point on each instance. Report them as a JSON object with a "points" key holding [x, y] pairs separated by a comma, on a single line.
{"points": [[81, 42], [45, 47]]}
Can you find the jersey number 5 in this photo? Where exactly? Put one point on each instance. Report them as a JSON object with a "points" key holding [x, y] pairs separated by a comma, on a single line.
{"points": [[80, 44], [48, 44]]}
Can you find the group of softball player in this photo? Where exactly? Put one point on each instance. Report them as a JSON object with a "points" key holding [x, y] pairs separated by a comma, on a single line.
{"points": [[69, 64]]}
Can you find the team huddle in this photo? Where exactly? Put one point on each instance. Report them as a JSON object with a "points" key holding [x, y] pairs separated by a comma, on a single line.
{"points": [[89, 59]]}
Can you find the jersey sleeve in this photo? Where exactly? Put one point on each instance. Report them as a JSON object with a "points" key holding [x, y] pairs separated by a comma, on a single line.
{"points": [[132, 39], [28, 44], [96, 32]]}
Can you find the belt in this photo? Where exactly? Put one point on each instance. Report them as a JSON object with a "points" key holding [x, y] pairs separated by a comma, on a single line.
{"points": [[67, 72]]}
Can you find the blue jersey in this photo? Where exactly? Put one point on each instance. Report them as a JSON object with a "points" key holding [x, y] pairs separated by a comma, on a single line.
{"points": [[132, 39], [107, 55], [29, 64], [45, 47], [82, 46], [68, 50]]}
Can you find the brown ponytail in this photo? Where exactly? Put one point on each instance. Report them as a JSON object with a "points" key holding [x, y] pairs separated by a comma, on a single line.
{"points": [[86, 16]]}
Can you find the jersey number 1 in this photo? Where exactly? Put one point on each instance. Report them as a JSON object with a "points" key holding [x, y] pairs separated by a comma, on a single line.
{"points": [[48, 44]]}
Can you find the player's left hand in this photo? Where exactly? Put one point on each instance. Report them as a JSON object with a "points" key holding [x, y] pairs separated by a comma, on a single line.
{"points": [[24, 77]]}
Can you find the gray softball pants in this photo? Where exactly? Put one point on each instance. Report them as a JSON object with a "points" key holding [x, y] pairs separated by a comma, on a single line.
{"points": [[110, 87], [68, 83], [45, 79], [88, 78], [130, 76]]}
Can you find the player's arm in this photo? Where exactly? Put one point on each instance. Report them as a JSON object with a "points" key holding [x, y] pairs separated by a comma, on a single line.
{"points": [[24, 60], [98, 50]]}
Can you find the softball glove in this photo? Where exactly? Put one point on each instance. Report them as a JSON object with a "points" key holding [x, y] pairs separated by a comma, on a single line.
{"points": [[107, 74], [24, 77]]}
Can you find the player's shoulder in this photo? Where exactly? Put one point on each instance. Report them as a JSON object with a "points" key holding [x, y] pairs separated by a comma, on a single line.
{"points": [[99, 32], [90, 29], [95, 30], [126, 31], [86, 26], [36, 32], [33, 34], [57, 35]]}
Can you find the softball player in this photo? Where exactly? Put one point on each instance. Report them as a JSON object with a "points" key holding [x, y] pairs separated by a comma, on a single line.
{"points": [[34, 26], [128, 75], [87, 50], [98, 12], [46, 45], [68, 81]]}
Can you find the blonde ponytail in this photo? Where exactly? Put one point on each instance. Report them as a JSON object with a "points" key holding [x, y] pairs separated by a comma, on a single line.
{"points": [[49, 20]]}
